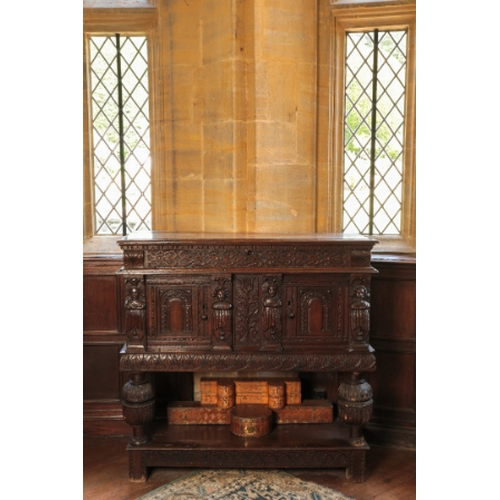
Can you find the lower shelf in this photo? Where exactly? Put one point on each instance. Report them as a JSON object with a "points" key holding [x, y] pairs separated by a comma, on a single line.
{"points": [[213, 446]]}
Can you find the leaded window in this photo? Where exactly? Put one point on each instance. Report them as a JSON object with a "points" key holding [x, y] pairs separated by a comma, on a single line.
{"points": [[120, 134], [375, 89]]}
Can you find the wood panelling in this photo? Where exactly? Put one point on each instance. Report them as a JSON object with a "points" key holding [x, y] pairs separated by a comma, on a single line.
{"points": [[393, 335], [101, 378], [393, 301], [100, 295], [102, 341], [102, 382], [394, 385]]}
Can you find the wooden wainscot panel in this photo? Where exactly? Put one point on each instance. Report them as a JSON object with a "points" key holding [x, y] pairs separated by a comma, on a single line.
{"points": [[102, 382], [393, 335], [101, 377], [100, 304], [393, 309], [394, 382]]}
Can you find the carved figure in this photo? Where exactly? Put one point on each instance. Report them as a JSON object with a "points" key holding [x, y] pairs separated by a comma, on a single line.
{"points": [[134, 301], [272, 312], [135, 306], [360, 313]]}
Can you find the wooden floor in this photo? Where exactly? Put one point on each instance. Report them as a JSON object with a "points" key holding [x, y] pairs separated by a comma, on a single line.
{"points": [[391, 474]]}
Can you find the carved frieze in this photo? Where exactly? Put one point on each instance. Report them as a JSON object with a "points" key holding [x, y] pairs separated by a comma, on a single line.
{"points": [[194, 362], [250, 256]]}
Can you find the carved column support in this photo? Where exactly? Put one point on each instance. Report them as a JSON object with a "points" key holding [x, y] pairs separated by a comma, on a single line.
{"points": [[359, 310], [355, 406], [138, 400], [222, 313], [272, 305], [135, 314]]}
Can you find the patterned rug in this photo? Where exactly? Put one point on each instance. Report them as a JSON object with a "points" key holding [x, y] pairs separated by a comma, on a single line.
{"points": [[242, 485]]}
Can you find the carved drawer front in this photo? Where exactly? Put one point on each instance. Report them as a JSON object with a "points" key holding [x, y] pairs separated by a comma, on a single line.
{"points": [[315, 311], [190, 312]]}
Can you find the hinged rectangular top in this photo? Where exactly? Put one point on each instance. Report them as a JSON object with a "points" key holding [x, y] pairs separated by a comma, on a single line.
{"points": [[172, 237]]}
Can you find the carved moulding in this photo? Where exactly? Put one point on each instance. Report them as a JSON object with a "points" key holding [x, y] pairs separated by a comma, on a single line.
{"points": [[192, 362]]}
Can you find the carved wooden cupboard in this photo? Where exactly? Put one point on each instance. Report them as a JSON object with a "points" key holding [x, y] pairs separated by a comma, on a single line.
{"points": [[205, 303]]}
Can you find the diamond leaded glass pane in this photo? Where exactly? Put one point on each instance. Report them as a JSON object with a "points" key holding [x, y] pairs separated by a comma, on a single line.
{"points": [[122, 199], [373, 131]]}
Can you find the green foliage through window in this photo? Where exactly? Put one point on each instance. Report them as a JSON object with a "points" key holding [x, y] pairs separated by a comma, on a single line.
{"points": [[374, 131]]}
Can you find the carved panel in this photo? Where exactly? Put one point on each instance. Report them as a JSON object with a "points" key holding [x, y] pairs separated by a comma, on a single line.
{"points": [[101, 378], [101, 307], [179, 312], [176, 311], [315, 311], [246, 311]]}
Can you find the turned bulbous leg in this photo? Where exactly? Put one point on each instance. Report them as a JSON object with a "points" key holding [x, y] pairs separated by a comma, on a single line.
{"points": [[138, 400], [355, 406]]}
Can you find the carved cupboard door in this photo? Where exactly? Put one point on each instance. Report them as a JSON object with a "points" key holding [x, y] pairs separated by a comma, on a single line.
{"points": [[315, 311], [189, 312]]}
